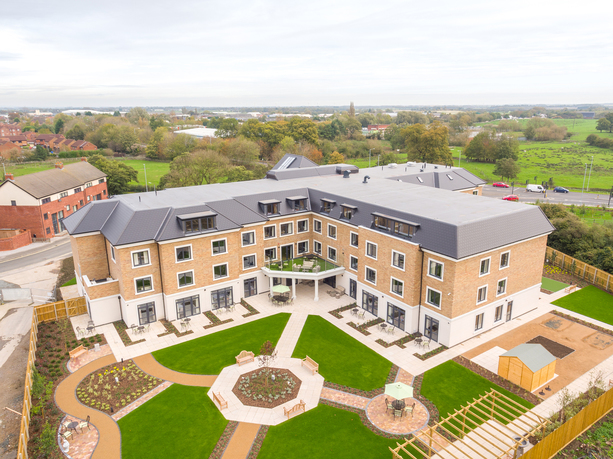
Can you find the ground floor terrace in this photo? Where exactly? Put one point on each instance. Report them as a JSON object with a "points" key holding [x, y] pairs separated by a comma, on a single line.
{"points": [[346, 413]]}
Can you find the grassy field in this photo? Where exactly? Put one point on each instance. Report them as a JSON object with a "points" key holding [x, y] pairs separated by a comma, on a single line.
{"points": [[552, 285], [182, 421], [341, 358], [591, 302], [209, 354], [591, 215]]}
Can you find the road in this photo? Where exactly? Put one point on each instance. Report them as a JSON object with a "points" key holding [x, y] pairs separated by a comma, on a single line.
{"points": [[589, 199], [21, 258]]}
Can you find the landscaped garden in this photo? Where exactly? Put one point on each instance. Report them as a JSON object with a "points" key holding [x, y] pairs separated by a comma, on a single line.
{"points": [[591, 302], [210, 354], [341, 358], [181, 421]]}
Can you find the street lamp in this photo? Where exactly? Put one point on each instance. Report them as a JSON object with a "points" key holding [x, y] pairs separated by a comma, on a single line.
{"points": [[590, 175], [146, 186], [582, 186], [369, 157]]}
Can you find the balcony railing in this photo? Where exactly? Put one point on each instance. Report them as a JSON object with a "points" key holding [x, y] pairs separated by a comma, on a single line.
{"points": [[306, 264]]}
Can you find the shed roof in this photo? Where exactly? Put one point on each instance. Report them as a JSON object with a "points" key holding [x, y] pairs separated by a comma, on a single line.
{"points": [[534, 356]]}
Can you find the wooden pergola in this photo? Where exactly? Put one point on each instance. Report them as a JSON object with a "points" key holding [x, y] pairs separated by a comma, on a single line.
{"points": [[493, 426]]}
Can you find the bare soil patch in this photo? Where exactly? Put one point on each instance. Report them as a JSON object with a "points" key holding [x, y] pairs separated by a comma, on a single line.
{"points": [[556, 349], [557, 323], [599, 340], [256, 388]]}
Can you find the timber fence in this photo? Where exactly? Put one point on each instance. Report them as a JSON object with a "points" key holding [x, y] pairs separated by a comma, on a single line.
{"points": [[580, 269]]}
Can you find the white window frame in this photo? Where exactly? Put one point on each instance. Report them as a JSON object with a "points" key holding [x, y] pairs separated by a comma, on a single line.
{"points": [[489, 266], [392, 279], [321, 226], [352, 257], [508, 252], [486, 292], [501, 309], [291, 233], [270, 248], [351, 233], [137, 251], [191, 253], [321, 247], [432, 260], [298, 227], [440, 306], [264, 232], [482, 321], [225, 239], [404, 263], [188, 285], [366, 268], [298, 252], [254, 239], [227, 271], [366, 249], [136, 292], [505, 286], [335, 231], [336, 253], [256, 261]]}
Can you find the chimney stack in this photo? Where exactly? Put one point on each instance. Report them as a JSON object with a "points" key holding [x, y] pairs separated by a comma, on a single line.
{"points": [[59, 165], [83, 158], [9, 177]]}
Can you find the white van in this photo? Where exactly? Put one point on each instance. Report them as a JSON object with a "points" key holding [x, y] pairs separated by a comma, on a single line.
{"points": [[535, 188]]}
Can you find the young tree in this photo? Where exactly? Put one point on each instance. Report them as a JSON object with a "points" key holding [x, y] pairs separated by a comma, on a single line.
{"points": [[40, 153], [506, 168], [268, 354]]}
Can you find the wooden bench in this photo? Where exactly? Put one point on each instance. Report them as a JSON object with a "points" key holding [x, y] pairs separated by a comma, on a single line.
{"points": [[295, 409], [77, 352], [219, 399], [310, 364], [244, 357], [571, 288]]}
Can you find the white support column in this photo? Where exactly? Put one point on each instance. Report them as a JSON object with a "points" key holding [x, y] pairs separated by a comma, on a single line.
{"points": [[316, 290], [293, 288], [270, 282]]}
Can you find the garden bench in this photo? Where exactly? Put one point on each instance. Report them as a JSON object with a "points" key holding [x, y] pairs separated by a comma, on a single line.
{"points": [[295, 409], [310, 364], [244, 357], [570, 288], [219, 399], [76, 352]]}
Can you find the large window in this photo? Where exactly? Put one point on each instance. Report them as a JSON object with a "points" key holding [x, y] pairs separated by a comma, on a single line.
{"points": [[502, 287], [371, 275], [484, 267], [287, 229], [249, 262], [353, 262], [479, 322], [332, 253], [317, 247], [371, 250], [248, 238], [221, 298], [220, 271], [186, 278], [184, 253], [140, 258], [353, 239], [353, 288], [219, 246], [397, 287], [303, 226], [250, 287], [435, 269], [197, 225], [189, 306], [498, 315], [482, 294], [303, 247], [433, 297], [146, 313], [509, 311], [395, 316], [370, 302], [317, 226], [269, 232], [270, 254], [143, 284], [331, 231], [504, 260], [398, 260]]}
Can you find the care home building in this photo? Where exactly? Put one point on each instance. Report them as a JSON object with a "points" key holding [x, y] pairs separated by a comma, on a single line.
{"points": [[411, 245]]}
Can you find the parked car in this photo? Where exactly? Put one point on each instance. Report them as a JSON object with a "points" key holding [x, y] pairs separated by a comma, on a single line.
{"points": [[511, 197], [560, 189], [535, 188], [500, 185]]}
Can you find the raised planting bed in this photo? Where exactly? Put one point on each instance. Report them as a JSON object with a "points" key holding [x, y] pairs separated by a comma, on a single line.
{"points": [[363, 328], [248, 307], [170, 328], [337, 312], [216, 321], [122, 331], [258, 388], [115, 386], [431, 353]]}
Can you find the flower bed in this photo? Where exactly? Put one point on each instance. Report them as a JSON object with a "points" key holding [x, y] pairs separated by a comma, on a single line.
{"points": [[248, 307], [122, 331], [337, 312], [258, 388], [113, 387], [399, 342], [170, 328], [363, 329], [431, 353], [257, 443], [225, 438], [216, 321], [562, 275]]}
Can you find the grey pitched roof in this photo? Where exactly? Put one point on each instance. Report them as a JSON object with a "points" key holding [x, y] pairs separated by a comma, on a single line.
{"points": [[53, 181], [91, 217], [452, 224], [534, 356]]}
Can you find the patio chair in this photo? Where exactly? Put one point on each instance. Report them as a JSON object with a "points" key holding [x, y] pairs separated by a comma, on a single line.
{"points": [[390, 330], [427, 343], [183, 325], [316, 269], [84, 424], [398, 413], [389, 404], [362, 314], [296, 268], [409, 409], [133, 327], [79, 332], [231, 308], [67, 435]]}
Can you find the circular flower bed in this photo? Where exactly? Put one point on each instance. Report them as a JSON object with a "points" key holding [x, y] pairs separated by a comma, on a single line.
{"points": [[267, 387]]}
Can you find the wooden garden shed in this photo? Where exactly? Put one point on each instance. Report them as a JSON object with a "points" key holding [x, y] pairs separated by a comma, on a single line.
{"points": [[527, 365]]}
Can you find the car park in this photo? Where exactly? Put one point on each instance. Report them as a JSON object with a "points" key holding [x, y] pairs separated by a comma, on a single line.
{"points": [[511, 197], [500, 185], [560, 189]]}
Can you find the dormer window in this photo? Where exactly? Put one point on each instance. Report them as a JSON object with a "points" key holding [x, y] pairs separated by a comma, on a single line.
{"points": [[270, 206], [348, 211], [395, 225], [327, 205], [198, 222], [298, 203]]}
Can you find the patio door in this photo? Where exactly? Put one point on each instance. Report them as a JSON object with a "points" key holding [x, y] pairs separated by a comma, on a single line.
{"points": [[431, 329], [395, 316], [251, 287], [287, 252], [146, 313], [353, 289], [370, 303], [509, 310], [331, 281], [221, 298], [187, 307]]}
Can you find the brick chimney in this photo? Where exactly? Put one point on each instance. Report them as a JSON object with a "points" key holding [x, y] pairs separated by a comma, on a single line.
{"points": [[83, 158], [59, 165], [9, 177]]}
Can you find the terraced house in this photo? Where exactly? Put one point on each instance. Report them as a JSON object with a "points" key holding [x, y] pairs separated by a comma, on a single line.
{"points": [[410, 244]]}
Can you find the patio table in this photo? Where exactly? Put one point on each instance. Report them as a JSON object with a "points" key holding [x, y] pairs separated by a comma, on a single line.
{"points": [[398, 404], [73, 425], [141, 329], [90, 329], [383, 326], [354, 311]]}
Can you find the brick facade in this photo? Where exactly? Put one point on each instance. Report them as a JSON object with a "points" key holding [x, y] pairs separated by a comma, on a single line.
{"points": [[12, 242]]}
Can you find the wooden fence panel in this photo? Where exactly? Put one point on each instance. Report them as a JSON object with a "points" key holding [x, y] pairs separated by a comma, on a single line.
{"points": [[580, 269], [61, 309], [571, 429]]}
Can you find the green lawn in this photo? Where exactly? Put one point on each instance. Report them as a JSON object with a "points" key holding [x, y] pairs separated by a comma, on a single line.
{"points": [[182, 421], [341, 358], [209, 354], [325, 432], [72, 281], [450, 386], [591, 302], [552, 285], [324, 265], [155, 170]]}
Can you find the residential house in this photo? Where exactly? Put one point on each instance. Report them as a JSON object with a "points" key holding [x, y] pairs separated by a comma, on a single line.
{"points": [[7, 129]]}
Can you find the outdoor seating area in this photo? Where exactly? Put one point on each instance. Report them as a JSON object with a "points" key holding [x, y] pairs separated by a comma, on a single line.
{"points": [[71, 427], [306, 264]]}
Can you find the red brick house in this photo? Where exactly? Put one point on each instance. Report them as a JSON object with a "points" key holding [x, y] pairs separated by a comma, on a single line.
{"points": [[19, 140], [46, 139], [38, 202], [377, 127], [7, 129], [6, 147]]}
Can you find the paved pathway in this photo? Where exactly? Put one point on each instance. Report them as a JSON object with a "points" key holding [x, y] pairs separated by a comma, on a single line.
{"points": [[109, 444], [241, 441], [291, 333], [149, 365], [345, 398]]}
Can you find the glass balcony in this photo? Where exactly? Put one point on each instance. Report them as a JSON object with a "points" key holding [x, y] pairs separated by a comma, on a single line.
{"points": [[307, 264]]}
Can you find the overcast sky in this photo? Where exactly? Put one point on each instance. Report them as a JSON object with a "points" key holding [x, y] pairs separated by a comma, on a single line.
{"points": [[254, 53]]}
